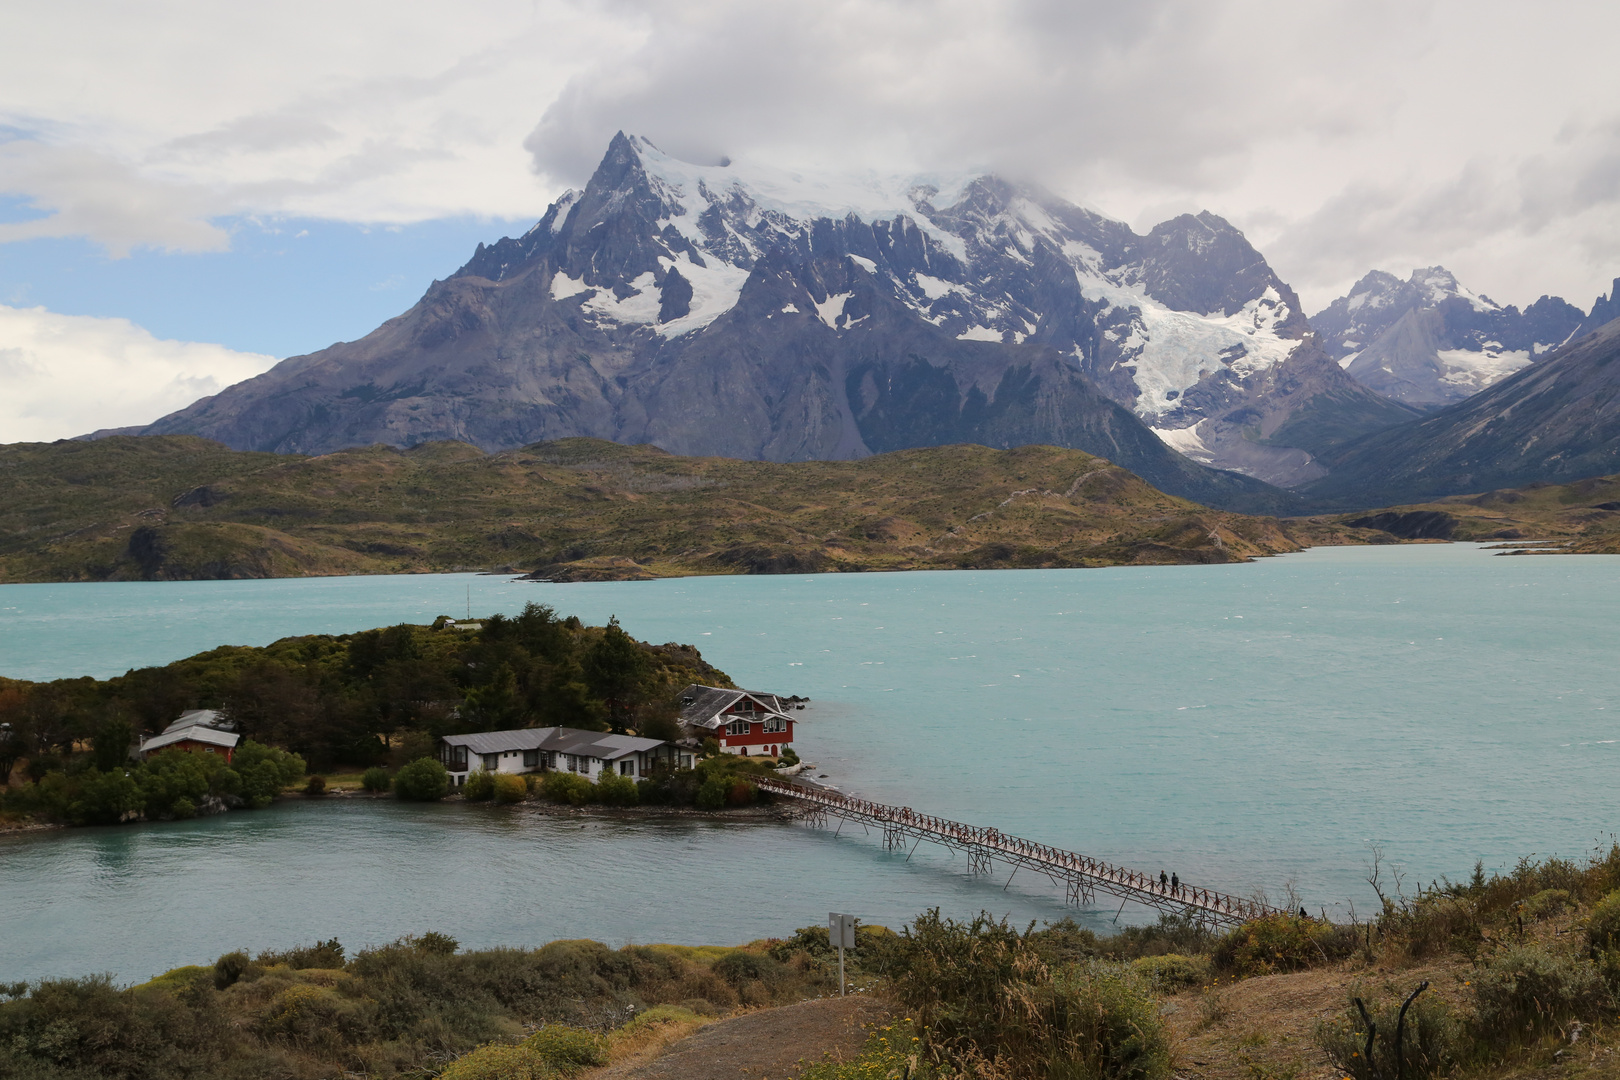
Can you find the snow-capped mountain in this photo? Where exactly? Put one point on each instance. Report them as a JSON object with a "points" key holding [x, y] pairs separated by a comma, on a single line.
{"points": [[759, 313], [1428, 341]]}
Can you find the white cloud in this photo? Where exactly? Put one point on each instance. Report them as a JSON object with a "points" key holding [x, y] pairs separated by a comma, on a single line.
{"points": [[1340, 135], [67, 375]]}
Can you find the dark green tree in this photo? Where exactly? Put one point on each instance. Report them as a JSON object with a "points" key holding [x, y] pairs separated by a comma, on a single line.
{"points": [[112, 743], [616, 669]]}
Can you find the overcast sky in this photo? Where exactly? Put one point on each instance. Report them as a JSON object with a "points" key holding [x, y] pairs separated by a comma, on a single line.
{"points": [[268, 178]]}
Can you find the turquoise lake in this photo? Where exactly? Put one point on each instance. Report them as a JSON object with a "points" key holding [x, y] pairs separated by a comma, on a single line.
{"points": [[1249, 726]]}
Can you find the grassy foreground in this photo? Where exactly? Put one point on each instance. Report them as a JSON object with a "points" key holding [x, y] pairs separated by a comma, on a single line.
{"points": [[180, 507], [1516, 976]]}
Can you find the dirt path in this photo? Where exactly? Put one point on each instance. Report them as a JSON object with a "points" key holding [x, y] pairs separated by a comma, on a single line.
{"points": [[771, 1044]]}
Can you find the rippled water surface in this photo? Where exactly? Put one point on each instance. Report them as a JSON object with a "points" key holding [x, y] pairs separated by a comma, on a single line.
{"points": [[1245, 726]]}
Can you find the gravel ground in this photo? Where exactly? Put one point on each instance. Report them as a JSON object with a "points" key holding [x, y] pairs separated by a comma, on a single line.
{"points": [[770, 1044]]}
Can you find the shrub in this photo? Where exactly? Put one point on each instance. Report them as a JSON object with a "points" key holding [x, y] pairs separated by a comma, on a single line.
{"points": [[316, 787], [480, 785], [741, 793], [423, 780], [567, 787], [1527, 993], [615, 790], [322, 954], [712, 795], [433, 942], [1547, 903], [509, 788], [229, 968], [1172, 971], [183, 809], [567, 1049], [1603, 925], [311, 1016], [555, 1050], [788, 758], [1433, 1040], [1437, 924], [81, 1028], [1171, 934], [375, 779], [981, 993], [738, 967], [497, 1062], [1276, 943], [1110, 1026]]}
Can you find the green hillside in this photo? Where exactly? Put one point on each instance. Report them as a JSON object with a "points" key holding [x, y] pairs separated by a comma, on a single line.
{"points": [[178, 507]]}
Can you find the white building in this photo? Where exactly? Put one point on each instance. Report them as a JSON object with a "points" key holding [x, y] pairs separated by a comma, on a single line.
{"points": [[556, 749]]}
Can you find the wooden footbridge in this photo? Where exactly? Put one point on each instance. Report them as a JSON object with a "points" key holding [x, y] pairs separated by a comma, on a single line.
{"points": [[1082, 877]]}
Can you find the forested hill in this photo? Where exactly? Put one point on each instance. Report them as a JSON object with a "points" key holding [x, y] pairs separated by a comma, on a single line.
{"points": [[180, 507]]}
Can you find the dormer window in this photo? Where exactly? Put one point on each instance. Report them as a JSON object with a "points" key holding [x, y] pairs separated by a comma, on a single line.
{"points": [[737, 727]]}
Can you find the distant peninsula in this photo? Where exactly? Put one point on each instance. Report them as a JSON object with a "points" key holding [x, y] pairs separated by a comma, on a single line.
{"points": [[169, 508]]}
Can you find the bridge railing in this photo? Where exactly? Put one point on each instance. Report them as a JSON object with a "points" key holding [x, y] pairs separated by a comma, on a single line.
{"points": [[959, 833]]}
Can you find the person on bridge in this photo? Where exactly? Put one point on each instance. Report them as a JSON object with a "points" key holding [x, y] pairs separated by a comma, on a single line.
{"points": [[1163, 881], [1175, 885]]}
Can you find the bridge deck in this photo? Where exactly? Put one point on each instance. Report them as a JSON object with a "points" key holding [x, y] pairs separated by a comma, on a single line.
{"points": [[1083, 876]]}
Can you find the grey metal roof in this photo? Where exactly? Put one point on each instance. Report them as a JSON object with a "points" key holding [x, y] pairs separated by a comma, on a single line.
{"points": [[702, 706], [195, 733], [558, 740], [200, 718]]}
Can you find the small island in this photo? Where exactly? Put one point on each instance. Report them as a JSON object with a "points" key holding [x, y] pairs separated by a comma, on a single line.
{"points": [[504, 709]]}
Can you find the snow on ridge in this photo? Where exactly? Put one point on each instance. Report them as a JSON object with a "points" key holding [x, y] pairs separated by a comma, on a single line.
{"points": [[563, 286], [804, 196], [934, 288], [715, 289], [831, 309], [1475, 369]]}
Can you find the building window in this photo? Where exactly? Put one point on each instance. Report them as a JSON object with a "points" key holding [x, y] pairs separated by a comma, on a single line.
{"points": [[737, 727], [531, 759], [775, 723], [627, 768], [458, 759], [492, 762], [686, 761]]}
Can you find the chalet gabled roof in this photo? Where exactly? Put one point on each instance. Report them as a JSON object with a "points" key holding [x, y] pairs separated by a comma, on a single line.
{"points": [[702, 706]]}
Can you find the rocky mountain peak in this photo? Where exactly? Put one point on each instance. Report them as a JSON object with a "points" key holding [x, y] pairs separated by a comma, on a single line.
{"points": [[1605, 309], [755, 311], [1430, 341], [1202, 263]]}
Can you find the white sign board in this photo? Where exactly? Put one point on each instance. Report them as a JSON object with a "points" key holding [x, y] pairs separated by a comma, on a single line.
{"points": [[841, 930]]}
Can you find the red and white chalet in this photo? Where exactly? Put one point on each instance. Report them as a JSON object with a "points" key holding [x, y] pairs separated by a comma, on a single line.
{"points": [[743, 721]]}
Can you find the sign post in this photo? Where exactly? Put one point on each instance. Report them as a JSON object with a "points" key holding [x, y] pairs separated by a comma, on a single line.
{"points": [[841, 932]]}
